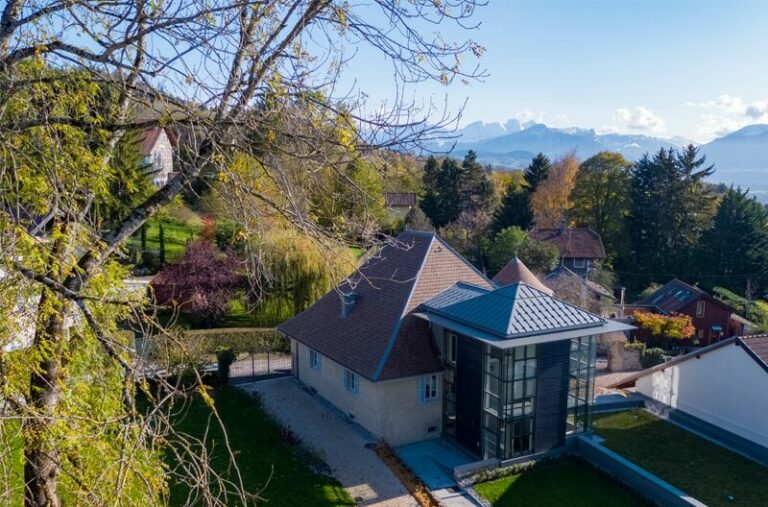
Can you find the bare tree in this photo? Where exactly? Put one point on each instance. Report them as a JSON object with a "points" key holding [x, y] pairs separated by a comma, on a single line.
{"points": [[254, 89]]}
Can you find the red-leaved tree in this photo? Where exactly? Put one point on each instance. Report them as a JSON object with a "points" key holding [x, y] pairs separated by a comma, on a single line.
{"points": [[201, 283]]}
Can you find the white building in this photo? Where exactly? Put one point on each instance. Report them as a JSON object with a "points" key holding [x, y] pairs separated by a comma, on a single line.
{"points": [[725, 385], [157, 148]]}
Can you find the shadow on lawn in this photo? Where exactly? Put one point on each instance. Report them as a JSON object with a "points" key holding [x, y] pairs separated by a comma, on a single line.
{"points": [[569, 481]]}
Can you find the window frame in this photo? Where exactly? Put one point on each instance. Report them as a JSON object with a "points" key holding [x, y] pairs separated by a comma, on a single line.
{"points": [[314, 359], [451, 344], [578, 260], [701, 307], [429, 388], [351, 381]]}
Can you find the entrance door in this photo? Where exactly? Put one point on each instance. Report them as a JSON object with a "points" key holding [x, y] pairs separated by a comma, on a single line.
{"points": [[469, 372]]}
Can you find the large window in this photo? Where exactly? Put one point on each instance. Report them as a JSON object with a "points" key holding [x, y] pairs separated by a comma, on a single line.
{"points": [[449, 401], [509, 391], [581, 377], [351, 382], [450, 348]]}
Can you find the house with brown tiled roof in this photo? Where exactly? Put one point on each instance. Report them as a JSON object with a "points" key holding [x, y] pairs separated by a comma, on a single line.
{"points": [[398, 204], [713, 319], [418, 344], [720, 390], [581, 249]]}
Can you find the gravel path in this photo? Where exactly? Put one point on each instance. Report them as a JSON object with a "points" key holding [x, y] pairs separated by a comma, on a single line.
{"points": [[339, 444]]}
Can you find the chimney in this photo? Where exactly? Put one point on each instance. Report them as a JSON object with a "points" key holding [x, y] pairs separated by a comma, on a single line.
{"points": [[347, 303]]}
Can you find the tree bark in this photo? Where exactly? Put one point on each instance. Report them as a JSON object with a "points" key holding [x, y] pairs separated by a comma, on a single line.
{"points": [[41, 460]]}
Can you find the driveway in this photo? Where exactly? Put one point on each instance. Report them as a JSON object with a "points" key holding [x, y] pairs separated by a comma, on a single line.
{"points": [[338, 443]]}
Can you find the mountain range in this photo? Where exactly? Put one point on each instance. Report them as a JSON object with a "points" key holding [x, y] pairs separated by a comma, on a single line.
{"points": [[740, 158]]}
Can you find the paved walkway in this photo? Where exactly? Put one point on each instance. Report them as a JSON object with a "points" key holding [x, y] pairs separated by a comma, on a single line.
{"points": [[338, 443]]}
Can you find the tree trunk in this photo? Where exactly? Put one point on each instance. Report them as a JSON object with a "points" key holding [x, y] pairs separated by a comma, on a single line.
{"points": [[41, 460]]}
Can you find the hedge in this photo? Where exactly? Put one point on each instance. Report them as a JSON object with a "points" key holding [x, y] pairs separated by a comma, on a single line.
{"points": [[251, 340]]}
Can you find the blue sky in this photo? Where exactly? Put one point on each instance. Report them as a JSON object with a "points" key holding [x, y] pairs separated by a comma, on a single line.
{"points": [[697, 69]]}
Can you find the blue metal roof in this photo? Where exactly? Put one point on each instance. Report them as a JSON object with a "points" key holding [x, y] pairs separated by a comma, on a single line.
{"points": [[513, 311]]}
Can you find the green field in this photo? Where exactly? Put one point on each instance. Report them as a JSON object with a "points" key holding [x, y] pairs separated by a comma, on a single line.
{"points": [[704, 470], [567, 482], [176, 238]]}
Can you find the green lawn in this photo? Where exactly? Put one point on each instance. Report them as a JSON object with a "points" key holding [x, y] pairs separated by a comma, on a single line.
{"points": [[264, 458], [567, 482], [176, 238], [702, 469]]}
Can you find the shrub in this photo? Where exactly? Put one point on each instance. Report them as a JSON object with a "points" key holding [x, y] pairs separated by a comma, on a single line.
{"points": [[634, 346], [651, 357], [224, 358]]}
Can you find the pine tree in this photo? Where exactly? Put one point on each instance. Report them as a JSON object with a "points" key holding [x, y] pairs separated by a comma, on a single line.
{"points": [[669, 209], [515, 209], [735, 248], [537, 171], [476, 187]]}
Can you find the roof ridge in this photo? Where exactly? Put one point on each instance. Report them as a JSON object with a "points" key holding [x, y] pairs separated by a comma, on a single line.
{"points": [[463, 259], [396, 330]]}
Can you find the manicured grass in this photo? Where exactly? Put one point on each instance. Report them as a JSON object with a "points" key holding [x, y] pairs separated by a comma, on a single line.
{"points": [[567, 482], [176, 238], [267, 463], [702, 469]]}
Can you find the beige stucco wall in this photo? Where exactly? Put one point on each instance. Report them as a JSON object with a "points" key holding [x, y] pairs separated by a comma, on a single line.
{"points": [[389, 409]]}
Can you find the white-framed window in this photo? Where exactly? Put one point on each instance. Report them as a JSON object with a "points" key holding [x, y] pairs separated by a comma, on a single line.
{"points": [[314, 359], [451, 344], [351, 382], [428, 388], [579, 263], [700, 306]]}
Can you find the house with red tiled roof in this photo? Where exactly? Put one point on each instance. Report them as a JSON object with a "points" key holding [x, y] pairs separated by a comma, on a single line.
{"points": [[720, 390], [515, 271], [157, 145], [418, 344], [581, 249]]}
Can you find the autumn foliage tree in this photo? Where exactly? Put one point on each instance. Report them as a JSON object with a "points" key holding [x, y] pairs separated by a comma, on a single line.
{"points": [[201, 283], [551, 199], [665, 327]]}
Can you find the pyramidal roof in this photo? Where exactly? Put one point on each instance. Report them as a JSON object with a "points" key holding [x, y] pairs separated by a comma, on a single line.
{"points": [[515, 271], [513, 311]]}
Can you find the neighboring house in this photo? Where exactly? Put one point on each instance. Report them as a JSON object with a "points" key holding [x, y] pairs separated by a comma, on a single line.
{"points": [[417, 344], [578, 290], [516, 272], [724, 384], [399, 203], [712, 318], [581, 249], [157, 146]]}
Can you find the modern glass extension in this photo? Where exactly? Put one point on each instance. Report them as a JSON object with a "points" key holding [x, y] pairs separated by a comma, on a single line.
{"points": [[509, 391], [509, 396], [581, 384]]}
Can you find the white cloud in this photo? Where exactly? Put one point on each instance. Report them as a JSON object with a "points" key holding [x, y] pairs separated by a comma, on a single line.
{"points": [[730, 113], [642, 119]]}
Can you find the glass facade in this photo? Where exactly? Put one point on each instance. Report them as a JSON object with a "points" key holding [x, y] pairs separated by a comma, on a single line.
{"points": [[449, 401], [509, 392], [581, 388]]}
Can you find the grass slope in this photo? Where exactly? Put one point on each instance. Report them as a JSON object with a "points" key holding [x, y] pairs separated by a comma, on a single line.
{"points": [[706, 471], [267, 463], [567, 482]]}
